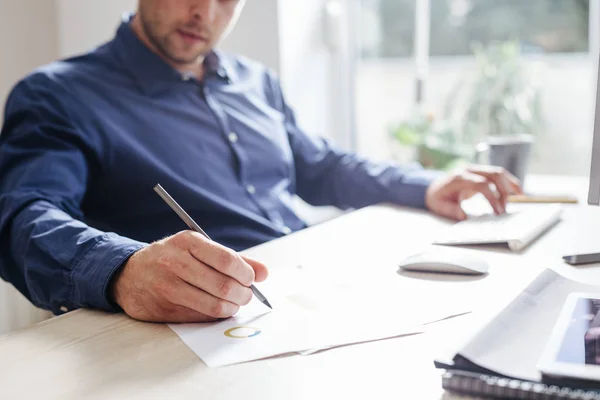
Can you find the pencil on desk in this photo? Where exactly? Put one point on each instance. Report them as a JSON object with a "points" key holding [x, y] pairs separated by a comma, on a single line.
{"points": [[524, 198], [196, 228]]}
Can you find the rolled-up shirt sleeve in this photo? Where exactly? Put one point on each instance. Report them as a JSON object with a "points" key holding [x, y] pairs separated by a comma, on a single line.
{"points": [[46, 162]]}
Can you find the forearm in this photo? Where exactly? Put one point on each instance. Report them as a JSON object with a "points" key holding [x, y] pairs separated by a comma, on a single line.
{"points": [[59, 262], [46, 160], [328, 176], [349, 181]]}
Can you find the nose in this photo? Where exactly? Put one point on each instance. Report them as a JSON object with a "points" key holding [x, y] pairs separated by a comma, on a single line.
{"points": [[205, 10]]}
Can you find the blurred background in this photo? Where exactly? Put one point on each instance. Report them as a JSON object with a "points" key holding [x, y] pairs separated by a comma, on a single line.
{"points": [[404, 80], [487, 67]]}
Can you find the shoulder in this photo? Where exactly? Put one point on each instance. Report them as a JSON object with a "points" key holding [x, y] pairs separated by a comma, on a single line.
{"points": [[244, 68], [252, 73], [59, 79]]}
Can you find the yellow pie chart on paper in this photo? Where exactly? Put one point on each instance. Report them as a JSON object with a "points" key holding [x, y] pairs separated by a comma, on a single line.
{"points": [[242, 332]]}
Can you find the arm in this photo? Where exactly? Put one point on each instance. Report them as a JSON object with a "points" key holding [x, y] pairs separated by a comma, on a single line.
{"points": [[58, 262], [46, 251], [328, 176]]}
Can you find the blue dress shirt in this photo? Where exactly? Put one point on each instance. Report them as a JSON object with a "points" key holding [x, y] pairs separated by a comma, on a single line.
{"points": [[85, 140]]}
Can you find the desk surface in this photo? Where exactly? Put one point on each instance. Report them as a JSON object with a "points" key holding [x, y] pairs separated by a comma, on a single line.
{"points": [[87, 354]]}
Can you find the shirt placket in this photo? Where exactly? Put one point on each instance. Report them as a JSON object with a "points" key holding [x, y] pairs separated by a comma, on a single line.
{"points": [[233, 139]]}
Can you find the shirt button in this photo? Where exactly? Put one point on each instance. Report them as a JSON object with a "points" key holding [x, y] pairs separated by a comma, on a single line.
{"points": [[64, 309], [233, 138], [286, 230], [186, 77], [251, 189]]}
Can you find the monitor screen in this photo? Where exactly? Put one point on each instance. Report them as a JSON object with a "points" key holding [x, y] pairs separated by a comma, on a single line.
{"points": [[581, 341]]}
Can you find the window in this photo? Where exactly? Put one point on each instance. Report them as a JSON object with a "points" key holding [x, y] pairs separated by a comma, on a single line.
{"points": [[387, 28], [415, 59], [541, 26], [546, 26]]}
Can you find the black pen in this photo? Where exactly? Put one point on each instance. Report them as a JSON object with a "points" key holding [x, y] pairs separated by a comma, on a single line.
{"points": [[196, 228]]}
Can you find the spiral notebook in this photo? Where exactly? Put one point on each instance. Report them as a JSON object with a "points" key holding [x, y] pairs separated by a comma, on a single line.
{"points": [[500, 360], [495, 387]]}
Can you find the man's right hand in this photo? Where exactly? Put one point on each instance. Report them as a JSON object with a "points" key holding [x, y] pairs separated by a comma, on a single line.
{"points": [[185, 278]]}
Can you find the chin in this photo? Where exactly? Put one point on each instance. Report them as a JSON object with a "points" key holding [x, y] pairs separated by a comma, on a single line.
{"points": [[187, 58], [191, 59], [185, 54], [189, 54]]}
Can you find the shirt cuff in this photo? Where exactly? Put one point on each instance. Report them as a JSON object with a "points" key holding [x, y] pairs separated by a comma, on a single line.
{"points": [[411, 189], [92, 275]]}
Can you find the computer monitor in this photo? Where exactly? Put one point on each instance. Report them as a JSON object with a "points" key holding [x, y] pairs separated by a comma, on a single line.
{"points": [[594, 189]]}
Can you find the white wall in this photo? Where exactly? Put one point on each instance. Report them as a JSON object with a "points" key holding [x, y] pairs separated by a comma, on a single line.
{"points": [[256, 34], [27, 39], [85, 24]]}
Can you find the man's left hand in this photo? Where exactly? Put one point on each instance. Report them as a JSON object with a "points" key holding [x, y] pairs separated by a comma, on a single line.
{"points": [[445, 195]]}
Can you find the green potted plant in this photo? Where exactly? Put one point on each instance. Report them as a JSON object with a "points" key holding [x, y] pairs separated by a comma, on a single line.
{"points": [[499, 102], [502, 96], [407, 136], [425, 139]]}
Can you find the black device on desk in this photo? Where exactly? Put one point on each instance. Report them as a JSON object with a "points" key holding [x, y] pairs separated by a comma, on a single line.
{"points": [[578, 259]]}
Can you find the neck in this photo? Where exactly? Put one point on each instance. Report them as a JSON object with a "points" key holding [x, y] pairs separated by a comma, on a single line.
{"points": [[196, 67]]}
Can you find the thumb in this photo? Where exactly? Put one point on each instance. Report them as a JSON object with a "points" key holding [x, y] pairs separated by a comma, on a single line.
{"points": [[261, 272]]}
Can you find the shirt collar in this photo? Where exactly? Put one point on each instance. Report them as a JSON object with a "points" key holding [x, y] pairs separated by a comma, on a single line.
{"points": [[151, 72]]}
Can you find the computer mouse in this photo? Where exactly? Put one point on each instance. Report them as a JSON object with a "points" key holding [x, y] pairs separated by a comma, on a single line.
{"points": [[442, 261]]}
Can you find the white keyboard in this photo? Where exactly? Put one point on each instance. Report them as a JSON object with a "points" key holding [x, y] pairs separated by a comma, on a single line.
{"points": [[516, 229]]}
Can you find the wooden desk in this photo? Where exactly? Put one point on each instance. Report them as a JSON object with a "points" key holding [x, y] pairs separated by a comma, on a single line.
{"points": [[87, 354]]}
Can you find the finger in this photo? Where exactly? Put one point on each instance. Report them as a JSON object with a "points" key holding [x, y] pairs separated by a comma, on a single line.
{"points": [[199, 301], [515, 183], [200, 275], [220, 258], [261, 272], [500, 180], [481, 185]]}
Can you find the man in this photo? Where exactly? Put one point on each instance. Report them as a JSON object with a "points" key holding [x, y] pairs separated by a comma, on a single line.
{"points": [[86, 140]]}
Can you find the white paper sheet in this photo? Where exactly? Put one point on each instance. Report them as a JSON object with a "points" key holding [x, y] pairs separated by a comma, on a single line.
{"points": [[512, 342], [310, 316]]}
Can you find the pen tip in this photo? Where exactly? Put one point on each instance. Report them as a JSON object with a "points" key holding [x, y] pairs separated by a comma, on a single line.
{"points": [[266, 303]]}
